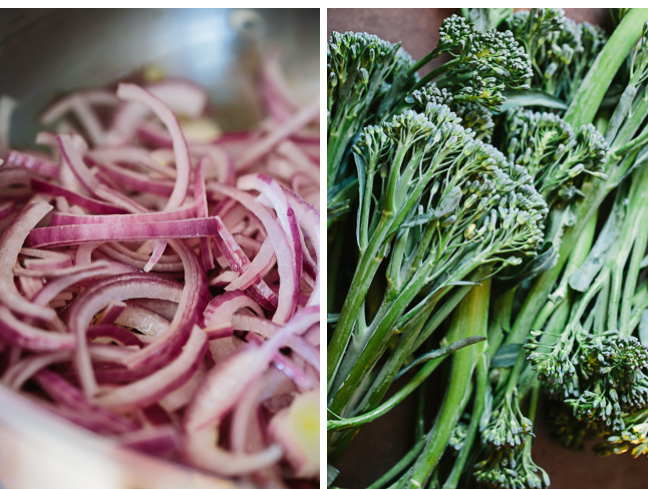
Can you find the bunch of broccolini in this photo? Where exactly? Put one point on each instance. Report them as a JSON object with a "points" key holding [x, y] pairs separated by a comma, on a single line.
{"points": [[485, 242]]}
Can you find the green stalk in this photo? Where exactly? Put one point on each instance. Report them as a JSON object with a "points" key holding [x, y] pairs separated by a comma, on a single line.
{"points": [[392, 402], [471, 319], [581, 111], [586, 103], [444, 68], [440, 314], [633, 122], [479, 404], [501, 319], [372, 349], [638, 252]]}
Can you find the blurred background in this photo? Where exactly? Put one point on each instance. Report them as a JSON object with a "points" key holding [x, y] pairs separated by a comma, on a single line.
{"points": [[382, 443]]}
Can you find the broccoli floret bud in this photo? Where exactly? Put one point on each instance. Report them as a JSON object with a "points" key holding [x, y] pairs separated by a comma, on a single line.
{"points": [[458, 436], [633, 439], [367, 77], [557, 156], [473, 115], [555, 365], [561, 51], [458, 184], [490, 54], [599, 410], [508, 426], [601, 378], [510, 469]]}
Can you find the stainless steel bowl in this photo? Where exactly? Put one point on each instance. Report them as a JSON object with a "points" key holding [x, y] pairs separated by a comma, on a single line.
{"points": [[44, 53]]}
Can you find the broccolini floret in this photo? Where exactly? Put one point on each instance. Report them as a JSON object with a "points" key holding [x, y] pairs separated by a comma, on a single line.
{"points": [[561, 50], [557, 156], [473, 115], [369, 80], [366, 76], [437, 206]]}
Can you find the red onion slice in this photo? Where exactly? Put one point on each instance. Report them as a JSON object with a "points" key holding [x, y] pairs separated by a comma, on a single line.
{"points": [[134, 93], [154, 387], [286, 260], [11, 243]]}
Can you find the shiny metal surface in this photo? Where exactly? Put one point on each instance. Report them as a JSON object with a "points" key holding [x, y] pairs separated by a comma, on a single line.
{"points": [[46, 52]]}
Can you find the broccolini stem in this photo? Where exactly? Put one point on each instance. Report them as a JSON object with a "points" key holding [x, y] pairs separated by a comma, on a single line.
{"points": [[347, 386], [439, 315], [501, 319], [470, 319], [423, 61], [433, 359], [634, 121], [413, 336], [367, 267], [435, 73], [638, 251], [479, 403], [598, 79], [336, 147], [392, 402]]}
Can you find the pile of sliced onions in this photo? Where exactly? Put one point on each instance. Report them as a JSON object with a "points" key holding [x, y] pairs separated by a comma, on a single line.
{"points": [[159, 279]]}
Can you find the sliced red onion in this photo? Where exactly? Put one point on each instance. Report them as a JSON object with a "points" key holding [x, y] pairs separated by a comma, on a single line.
{"points": [[20, 372], [225, 278], [33, 163], [286, 260], [120, 253], [96, 298], [6, 209], [68, 103], [263, 261], [308, 218], [191, 303], [180, 397], [114, 333], [159, 441], [11, 243], [135, 93], [179, 95], [135, 180], [140, 157], [154, 387], [62, 391], [93, 205], [239, 262], [166, 309], [121, 231], [54, 287], [144, 320], [267, 329], [286, 216], [18, 333], [300, 119], [219, 312], [202, 211], [46, 260], [63, 219]]}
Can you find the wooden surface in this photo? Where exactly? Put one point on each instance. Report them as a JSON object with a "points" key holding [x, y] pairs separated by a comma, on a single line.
{"points": [[382, 443]]}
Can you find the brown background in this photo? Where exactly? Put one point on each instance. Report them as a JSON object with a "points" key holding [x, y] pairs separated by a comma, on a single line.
{"points": [[383, 442]]}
